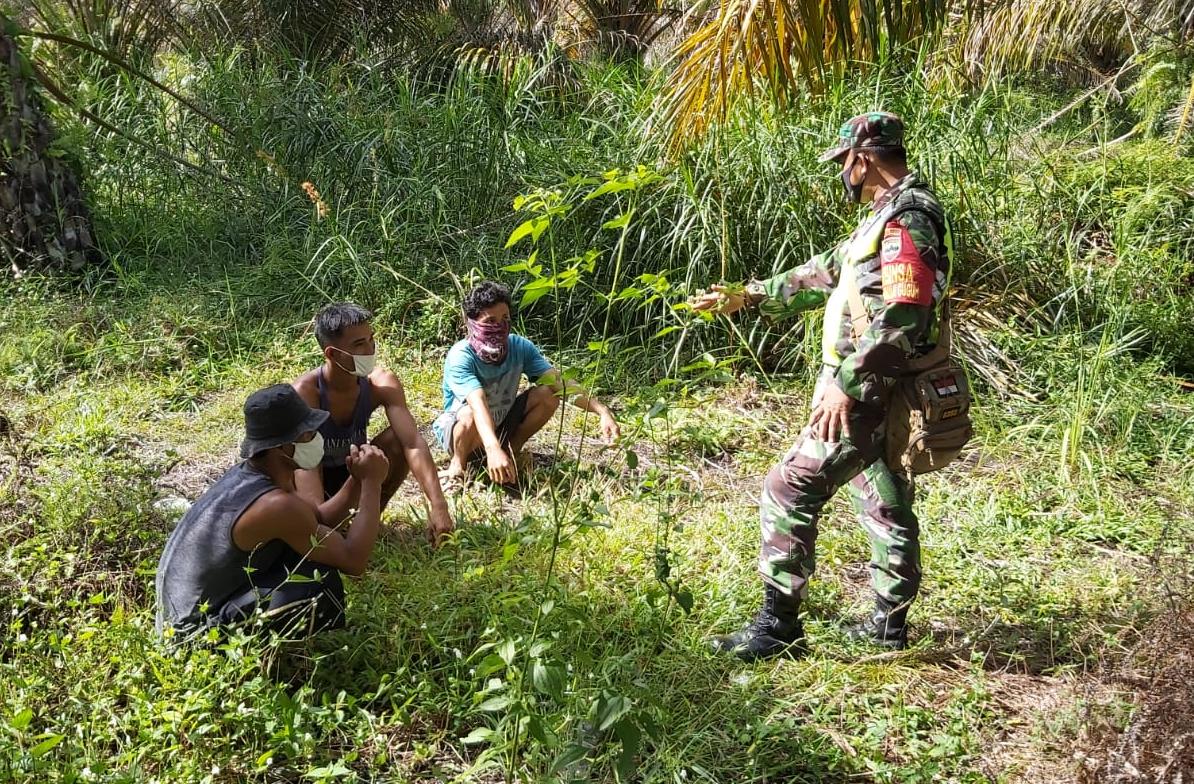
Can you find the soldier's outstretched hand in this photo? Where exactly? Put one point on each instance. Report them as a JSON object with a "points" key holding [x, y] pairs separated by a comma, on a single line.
{"points": [[722, 299]]}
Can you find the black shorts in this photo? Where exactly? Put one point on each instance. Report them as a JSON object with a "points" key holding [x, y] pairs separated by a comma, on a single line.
{"points": [[334, 478], [505, 429], [514, 417]]}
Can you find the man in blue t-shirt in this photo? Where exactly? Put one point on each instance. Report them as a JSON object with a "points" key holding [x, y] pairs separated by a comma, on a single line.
{"points": [[483, 410]]}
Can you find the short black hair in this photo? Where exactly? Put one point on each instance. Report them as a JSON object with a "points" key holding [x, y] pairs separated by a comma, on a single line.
{"points": [[890, 155], [333, 319], [484, 295]]}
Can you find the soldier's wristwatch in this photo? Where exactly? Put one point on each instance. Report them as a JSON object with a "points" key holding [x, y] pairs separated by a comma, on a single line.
{"points": [[754, 293]]}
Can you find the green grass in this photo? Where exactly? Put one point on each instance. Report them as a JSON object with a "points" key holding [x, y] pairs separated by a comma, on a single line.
{"points": [[1048, 550], [117, 398]]}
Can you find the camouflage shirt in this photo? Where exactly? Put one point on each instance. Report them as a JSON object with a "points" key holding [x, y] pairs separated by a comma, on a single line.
{"points": [[900, 257]]}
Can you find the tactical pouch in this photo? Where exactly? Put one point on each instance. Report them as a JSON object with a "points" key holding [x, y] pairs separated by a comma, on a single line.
{"points": [[928, 417], [928, 414]]}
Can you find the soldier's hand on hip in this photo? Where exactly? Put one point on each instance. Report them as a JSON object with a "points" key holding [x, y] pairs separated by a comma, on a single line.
{"points": [[831, 417]]}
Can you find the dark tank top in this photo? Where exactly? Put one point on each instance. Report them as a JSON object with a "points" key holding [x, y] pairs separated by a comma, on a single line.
{"points": [[201, 567], [337, 438]]}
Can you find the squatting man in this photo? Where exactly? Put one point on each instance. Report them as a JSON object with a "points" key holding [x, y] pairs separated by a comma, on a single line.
{"points": [[266, 543]]}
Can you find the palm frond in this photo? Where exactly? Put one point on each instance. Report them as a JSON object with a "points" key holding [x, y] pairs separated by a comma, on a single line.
{"points": [[779, 45], [1020, 35], [1185, 113], [621, 29], [128, 29]]}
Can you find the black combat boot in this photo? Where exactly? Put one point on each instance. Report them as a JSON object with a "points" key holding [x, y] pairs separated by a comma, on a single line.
{"points": [[887, 626], [775, 631]]}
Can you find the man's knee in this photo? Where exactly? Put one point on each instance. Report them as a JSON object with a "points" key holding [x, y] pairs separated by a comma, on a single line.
{"points": [[785, 487], [463, 436], [387, 441], [544, 397], [465, 422]]}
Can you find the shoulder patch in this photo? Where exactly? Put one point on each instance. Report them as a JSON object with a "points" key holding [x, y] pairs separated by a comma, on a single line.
{"points": [[907, 279], [893, 241]]}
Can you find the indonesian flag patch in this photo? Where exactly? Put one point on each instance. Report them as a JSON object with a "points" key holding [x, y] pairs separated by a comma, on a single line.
{"points": [[906, 277], [945, 386]]}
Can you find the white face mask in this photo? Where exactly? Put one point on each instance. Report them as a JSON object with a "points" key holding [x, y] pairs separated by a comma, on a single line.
{"points": [[362, 364], [308, 454]]}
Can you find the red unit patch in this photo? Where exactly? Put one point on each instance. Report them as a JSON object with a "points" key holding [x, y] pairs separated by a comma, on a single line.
{"points": [[906, 277]]}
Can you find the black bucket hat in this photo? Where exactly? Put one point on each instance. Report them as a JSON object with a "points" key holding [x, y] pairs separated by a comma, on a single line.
{"points": [[275, 416]]}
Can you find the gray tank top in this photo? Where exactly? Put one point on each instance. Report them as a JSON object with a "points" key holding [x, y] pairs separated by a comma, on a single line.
{"points": [[201, 567]]}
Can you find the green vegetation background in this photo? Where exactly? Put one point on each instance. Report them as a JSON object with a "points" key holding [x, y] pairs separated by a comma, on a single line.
{"points": [[1048, 552]]}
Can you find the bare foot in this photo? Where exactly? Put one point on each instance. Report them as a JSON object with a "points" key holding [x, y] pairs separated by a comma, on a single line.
{"points": [[452, 479]]}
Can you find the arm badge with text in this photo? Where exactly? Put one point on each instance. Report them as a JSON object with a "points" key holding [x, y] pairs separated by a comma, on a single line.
{"points": [[907, 279]]}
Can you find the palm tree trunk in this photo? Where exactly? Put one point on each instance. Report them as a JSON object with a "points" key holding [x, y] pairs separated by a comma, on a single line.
{"points": [[44, 221]]}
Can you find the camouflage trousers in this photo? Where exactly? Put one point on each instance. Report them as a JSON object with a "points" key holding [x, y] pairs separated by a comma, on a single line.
{"points": [[797, 489]]}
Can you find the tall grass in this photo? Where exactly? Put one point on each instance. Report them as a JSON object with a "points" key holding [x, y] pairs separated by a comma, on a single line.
{"points": [[543, 636], [1055, 231]]}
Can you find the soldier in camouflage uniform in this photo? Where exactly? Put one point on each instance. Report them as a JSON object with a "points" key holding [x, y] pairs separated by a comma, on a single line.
{"points": [[899, 260]]}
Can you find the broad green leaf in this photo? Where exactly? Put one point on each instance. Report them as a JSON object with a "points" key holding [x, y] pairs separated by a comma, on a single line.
{"points": [[548, 679], [528, 266], [531, 295], [22, 719], [479, 735], [631, 459], [542, 733], [667, 330], [489, 665], [631, 736], [532, 227], [684, 599], [50, 742], [568, 278], [620, 222], [610, 708], [610, 186], [495, 704], [507, 651], [572, 754]]}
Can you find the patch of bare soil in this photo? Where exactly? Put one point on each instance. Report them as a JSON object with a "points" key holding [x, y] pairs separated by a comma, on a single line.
{"points": [[1127, 723], [1157, 745], [190, 478], [1027, 747]]}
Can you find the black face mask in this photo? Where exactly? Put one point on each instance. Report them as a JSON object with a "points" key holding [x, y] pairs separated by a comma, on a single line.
{"points": [[853, 192]]}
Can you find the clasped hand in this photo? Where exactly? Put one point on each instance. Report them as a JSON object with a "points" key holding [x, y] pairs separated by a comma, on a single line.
{"points": [[367, 463]]}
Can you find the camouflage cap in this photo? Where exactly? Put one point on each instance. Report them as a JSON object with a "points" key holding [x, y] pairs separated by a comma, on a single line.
{"points": [[873, 129]]}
